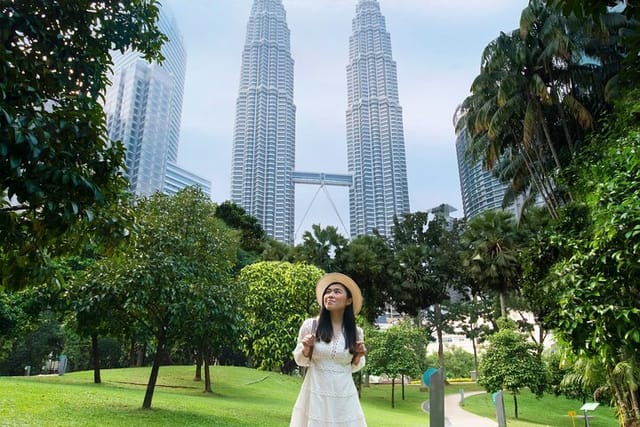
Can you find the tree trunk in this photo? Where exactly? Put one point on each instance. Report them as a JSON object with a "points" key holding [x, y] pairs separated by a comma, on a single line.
{"points": [[198, 374], [95, 358], [393, 390], [438, 318], [141, 353], [402, 379], [515, 404], [475, 356], [634, 402], [148, 396], [503, 309], [132, 353], [207, 373]]}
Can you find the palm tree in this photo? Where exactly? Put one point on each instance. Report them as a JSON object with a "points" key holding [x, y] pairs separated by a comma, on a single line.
{"points": [[532, 102], [492, 241]]}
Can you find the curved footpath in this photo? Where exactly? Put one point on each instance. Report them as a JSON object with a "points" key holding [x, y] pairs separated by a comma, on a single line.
{"points": [[455, 416]]}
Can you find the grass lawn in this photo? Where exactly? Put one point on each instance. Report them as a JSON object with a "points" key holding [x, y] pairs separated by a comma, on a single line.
{"points": [[241, 397], [548, 411]]}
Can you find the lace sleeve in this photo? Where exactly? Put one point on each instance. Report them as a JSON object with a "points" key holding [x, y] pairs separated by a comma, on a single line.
{"points": [[305, 329], [362, 361]]}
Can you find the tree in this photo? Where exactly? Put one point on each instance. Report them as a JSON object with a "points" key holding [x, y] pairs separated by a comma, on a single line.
{"points": [[427, 269], [252, 235], [57, 164], [597, 285], [492, 243], [511, 363], [180, 256], [369, 261], [321, 247], [396, 352], [534, 99], [280, 296]]}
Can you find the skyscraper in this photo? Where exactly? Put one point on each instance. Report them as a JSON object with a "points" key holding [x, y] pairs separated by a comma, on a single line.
{"points": [[144, 108], [375, 134], [263, 153], [480, 190]]}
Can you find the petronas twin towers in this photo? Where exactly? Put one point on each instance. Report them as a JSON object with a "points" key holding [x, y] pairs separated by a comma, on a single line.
{"points": [[263, 157]]}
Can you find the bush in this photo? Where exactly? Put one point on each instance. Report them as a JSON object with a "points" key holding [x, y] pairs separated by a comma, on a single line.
{"points": [[457, 363]]}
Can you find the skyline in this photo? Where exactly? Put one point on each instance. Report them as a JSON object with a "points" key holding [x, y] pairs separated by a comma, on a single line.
{"points": [[436, 64]]}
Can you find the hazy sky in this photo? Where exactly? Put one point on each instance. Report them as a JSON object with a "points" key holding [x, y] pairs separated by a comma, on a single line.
{"points": [[436, 45]]}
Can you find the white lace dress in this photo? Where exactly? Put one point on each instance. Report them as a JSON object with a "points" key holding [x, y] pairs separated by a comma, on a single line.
{"points": [[328, 396]]}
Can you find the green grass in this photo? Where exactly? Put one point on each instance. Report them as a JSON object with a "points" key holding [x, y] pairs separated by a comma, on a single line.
{"points": [[241, 397], [547, 411]]}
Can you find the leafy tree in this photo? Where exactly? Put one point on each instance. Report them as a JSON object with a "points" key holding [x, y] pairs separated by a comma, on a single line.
{"points": [[280, 296], [511, 363], [535, 98], [57, 165], [597, 287], [473, 318], [492, 242], [459, 362], [252, 235], [180, 256], [369, 261], [428, 269], [396, 352], [321, 247]]}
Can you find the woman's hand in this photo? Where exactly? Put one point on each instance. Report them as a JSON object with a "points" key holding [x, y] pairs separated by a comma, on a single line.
{"points": [[307, 344], [360, 351]]}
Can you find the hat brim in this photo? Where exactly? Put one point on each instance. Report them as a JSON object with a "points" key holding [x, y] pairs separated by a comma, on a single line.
{"points": [[344, 280]]}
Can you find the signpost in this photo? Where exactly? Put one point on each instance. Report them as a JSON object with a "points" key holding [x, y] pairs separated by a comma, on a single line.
{"points": [[588, 407], [433, 378]]}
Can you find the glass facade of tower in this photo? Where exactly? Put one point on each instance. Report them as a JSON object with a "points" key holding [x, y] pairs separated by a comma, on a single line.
{"points": [[480, 190], [263, 153], [375, 134], [144, 108]]}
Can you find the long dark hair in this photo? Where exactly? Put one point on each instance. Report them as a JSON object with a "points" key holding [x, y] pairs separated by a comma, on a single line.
{"points": [[324, 331]]}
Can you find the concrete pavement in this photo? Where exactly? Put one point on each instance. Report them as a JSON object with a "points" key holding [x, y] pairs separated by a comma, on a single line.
{"points": [[456, 416]]}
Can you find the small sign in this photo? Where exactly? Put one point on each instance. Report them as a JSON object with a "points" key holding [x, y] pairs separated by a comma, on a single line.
{"points": [[589, 406], [426, 377], [572, 413]]}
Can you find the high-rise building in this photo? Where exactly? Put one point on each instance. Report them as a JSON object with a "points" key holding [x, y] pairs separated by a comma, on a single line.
{"points": [[144, 108], [480, 190], [263, 153], [375, 134]]}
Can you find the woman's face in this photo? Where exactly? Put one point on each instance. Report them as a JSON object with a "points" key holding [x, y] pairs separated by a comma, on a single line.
{"points": [[335, 297]]}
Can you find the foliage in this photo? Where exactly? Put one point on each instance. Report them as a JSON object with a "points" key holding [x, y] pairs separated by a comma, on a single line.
{"points": [[321, 247], [458, 362], [597, 287], [425, 261], [535, 99], [252, 235], [173, 276], [395, 352], [280, 296], [369, 261], [492, 243], [57, 165], [511, 363]]}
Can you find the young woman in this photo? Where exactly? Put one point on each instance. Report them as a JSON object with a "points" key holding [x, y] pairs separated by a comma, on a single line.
{"points": [[332, 347]]}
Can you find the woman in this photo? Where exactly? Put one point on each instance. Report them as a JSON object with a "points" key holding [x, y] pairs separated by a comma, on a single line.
{"points": [[332, 348]]}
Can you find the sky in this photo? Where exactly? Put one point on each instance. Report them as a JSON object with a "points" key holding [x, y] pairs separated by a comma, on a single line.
{"points": [[436, 44]]}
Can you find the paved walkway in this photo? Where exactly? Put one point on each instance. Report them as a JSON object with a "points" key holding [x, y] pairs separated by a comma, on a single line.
{"points": [[456, 416]]}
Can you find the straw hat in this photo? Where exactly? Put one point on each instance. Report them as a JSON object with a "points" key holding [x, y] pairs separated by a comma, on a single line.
{"points": [[344, 280]]}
